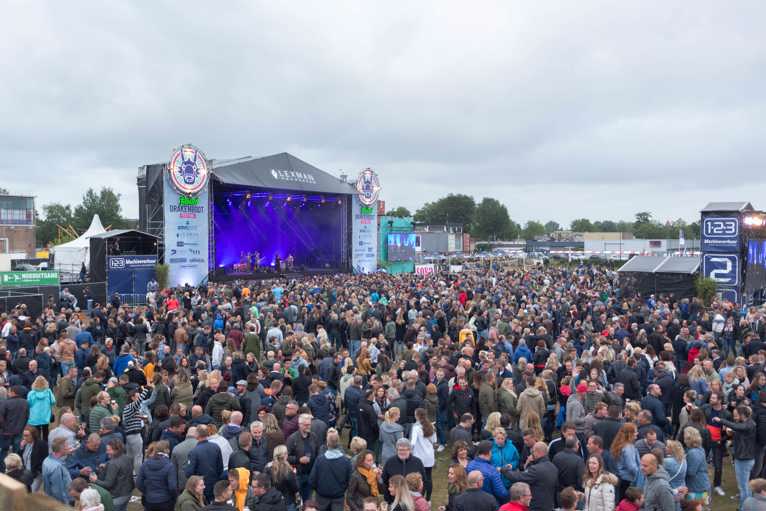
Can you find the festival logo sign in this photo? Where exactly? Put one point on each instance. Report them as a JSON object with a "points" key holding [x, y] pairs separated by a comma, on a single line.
{"points": [[368, 187], [188, 170]]}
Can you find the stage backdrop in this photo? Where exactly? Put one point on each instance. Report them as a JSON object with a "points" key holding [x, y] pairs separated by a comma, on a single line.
{"points": [[364, 237], [186, 220]]}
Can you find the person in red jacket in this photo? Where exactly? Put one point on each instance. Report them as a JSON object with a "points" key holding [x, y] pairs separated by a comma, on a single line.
{"points": [[521, 496]]}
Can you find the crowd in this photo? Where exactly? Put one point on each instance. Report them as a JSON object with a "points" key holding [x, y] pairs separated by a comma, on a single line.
{"points": [[545, 388]]}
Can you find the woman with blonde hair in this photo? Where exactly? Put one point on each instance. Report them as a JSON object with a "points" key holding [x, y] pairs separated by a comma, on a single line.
{"points": [[272, 432], [193, 496], [390, 432], [282, 476], [599, 486], [697, 479], [41, 402], [356, 446], [675, 463], [533, 423], [457, 483], [493, 422], [423, 439], [403, 501]]}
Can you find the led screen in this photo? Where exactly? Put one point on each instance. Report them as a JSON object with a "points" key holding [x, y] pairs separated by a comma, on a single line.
{"points": [[401, 246]]}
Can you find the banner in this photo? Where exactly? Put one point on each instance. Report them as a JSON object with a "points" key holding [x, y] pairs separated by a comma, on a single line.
{"points": [[29, 278], [129, 274], [187, 217], [364, 237], [455, 268], [424, 269], [721, 234]]}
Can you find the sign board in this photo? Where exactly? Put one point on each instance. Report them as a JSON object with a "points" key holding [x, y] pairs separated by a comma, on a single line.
{"points": [[720, 234], [368, 187], [187, 216], [129, 274], [424, 269], [29, 278], [722, 268], [364, 237], [455, 268]]}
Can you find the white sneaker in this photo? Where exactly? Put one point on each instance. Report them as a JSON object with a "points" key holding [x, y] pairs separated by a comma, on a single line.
{"points": [[719, 491], [440, 448]]}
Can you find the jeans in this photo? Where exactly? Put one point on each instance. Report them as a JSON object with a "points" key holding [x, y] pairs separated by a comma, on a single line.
{"points": [[304, 487], [441, 426], [134, 447], [353, 348], [121, 503], [742, 470], [758, 466], [428, 484], [716, 452], [326, 504], [65, 366]]}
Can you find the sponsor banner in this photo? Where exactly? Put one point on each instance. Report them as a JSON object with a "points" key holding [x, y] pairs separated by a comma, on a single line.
{"points": [[364, 237], [424, 269], [29, 278], [721, 234], [722, 268], [129, 274], [131, 261], [187, 217], [455, 268]]}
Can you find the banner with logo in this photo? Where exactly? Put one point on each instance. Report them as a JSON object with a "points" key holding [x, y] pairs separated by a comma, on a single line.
{"points": [[424, 269], [455, 268], [364, 237], [721, 234], [187, 217], [129, 274], [29, 278]]}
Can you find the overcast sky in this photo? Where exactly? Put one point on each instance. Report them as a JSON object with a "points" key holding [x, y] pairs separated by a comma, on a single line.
{"points": [[558, 109]]}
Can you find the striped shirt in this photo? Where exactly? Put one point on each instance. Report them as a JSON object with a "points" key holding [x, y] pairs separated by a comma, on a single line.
{"points": [[131, 414]]}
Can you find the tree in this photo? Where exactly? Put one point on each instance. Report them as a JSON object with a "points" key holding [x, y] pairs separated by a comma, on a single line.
{"points": [[643, 217], [581, 225], [4, 191], [491, 220], [551, 227], [106, 204], [400, 212], [47, 228], [454, 209], [533, 229]]}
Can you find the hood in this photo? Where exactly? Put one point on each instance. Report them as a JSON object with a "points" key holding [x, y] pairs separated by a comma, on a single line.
{"points": [[391, 427], [333, 454], [243, 477], [608, 478], [531, 391], [661, 474]]}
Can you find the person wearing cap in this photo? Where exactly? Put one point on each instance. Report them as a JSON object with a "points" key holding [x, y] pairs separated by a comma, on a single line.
{"points": [[575, 407], [402, 464], [493, 481]]}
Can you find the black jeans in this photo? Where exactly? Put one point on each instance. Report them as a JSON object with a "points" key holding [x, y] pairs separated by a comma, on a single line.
{"points": [[428, 484], [716, 451]]}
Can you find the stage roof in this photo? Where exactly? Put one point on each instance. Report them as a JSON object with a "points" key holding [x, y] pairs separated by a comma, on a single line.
{"points": [[662, 264], [278, 171], [715, 207]]}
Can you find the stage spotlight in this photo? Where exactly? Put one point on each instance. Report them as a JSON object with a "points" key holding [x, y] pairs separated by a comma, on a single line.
{"points": [[323, 200], [289, 198], [340, 202], [269, 197], [248, 196], [249, 203]]}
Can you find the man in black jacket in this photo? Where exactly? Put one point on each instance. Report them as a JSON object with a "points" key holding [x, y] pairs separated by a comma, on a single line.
{"points": [[541, 475], [222, 492], [629, 379], [570, 465], [302, 452], [331, 475], [265, 498], [653, 404], [367, 420], [474, 498], [402, 464], [608, 427], [14, 413]]}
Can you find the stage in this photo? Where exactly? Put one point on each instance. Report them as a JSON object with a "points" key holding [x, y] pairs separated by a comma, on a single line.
{"points": [[222, 275]]}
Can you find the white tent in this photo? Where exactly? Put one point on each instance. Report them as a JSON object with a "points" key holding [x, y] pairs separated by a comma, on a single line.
{"points": [[68, 257]]}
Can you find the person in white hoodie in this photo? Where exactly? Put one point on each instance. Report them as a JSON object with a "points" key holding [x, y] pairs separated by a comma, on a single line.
{"points": [[217, 357], [423, 439]]}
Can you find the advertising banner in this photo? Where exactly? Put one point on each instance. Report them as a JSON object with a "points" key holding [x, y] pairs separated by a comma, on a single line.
{"points": [[364, 237], [29, 278], [187, 217], [424, 269], [129, 274], [722, 268], [721, 234]]}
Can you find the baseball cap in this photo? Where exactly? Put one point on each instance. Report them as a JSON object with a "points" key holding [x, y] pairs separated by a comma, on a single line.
{"points": [[241, 382]]}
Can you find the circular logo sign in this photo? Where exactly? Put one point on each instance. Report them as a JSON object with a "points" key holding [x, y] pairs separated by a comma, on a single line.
{"points": [[188, 170], [368, 187]]}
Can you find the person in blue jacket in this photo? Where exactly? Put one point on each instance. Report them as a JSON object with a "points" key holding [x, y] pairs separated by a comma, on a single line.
{"points": [[504, 453], [493, 482], [522, 351], [205, 460], [157, 478], [56, 479]]}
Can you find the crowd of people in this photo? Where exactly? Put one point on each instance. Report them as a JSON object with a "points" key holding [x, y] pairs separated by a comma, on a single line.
{"points": [[544, 388]]}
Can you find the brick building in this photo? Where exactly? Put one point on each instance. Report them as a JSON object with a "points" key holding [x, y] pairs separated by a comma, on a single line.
{"points": [[17, 226]]}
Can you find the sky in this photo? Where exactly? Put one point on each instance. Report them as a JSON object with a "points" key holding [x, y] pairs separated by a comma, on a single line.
{"points": [[560, 110]]}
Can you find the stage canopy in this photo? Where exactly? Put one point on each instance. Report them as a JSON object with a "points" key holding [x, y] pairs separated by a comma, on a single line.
{"points": [[69, 256], [281, 171], [660, 275]]}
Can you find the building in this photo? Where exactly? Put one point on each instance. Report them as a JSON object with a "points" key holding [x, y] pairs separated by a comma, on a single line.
{"points": [[439, 239], [17, 226]]}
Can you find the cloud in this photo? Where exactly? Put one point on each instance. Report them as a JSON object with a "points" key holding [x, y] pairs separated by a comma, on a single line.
{"points": [[560, 111]]}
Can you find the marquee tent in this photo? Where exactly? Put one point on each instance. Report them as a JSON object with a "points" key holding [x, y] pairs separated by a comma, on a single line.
{"points": [[68, 257]]}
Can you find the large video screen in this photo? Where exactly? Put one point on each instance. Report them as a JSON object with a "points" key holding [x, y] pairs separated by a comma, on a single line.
{"points": [[401, 246], [755, 271]]}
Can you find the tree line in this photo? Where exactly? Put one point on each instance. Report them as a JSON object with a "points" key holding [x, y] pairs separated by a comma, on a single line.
{"points": [[105, 203], [489, 220]]}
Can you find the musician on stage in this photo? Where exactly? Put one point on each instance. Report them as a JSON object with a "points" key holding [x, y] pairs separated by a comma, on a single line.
{"points": [[278, 264], [290, 261]]}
